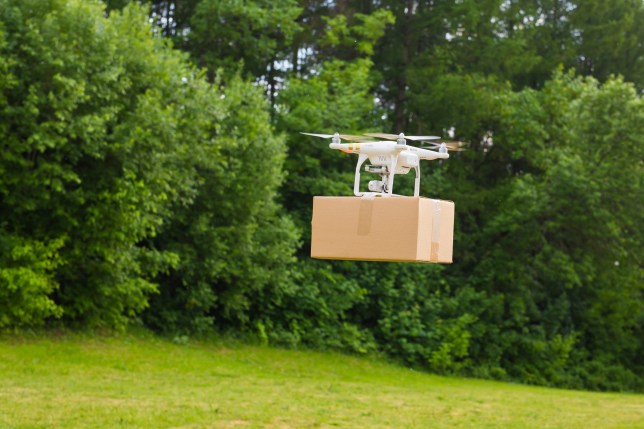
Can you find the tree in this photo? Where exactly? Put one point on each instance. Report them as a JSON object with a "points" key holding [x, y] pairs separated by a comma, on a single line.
{"points": [[234, 243], [609, 37], [104, 129], [89, 162], [561, 242], [223, 33]]}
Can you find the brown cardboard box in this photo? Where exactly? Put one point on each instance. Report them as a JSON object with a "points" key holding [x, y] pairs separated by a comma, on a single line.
{"points": [[402, 229]]}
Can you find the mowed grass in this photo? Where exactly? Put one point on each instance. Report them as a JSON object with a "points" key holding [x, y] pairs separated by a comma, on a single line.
{"points": [[139, 381]]}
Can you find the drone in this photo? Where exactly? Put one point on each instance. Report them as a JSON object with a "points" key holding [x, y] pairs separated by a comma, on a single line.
{"points": [[388, 157]]}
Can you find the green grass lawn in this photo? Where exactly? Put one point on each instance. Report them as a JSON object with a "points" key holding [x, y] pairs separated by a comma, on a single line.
{"points": [[143, 382]]}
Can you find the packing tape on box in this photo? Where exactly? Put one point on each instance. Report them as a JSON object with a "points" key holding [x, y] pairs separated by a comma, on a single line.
{"points": [[365, 216], [436, 230]]}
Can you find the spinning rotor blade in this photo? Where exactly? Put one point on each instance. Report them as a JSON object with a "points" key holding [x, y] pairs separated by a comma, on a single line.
{"points": [[342, 136], [421, 138], [396, 137], [452, 146], [382, 136]]}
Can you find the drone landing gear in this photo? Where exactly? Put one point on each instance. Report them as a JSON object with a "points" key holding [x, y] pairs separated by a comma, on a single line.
{"points": [[383, 187]]}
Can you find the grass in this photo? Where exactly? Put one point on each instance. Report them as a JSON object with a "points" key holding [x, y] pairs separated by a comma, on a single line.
{"points": [[138, 381]]}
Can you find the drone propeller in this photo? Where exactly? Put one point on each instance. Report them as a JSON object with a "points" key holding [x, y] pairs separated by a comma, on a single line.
{"points": [[401, 135], [342, 136], [450, 145]]}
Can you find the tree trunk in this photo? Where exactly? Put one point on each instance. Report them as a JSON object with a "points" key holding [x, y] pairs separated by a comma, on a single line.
{"points": [[401, 83]]}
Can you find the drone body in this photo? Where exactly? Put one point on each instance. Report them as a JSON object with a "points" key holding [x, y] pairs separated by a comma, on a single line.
{"points": [[388, 158]]}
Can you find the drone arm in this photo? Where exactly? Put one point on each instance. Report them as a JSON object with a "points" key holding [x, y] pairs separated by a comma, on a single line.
{"points": [[430, 155], [356, 184]]}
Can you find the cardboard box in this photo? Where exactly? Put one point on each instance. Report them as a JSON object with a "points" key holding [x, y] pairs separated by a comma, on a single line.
{"points": [[401, 229]]}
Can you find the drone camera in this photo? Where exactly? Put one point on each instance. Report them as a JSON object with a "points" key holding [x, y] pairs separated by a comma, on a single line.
{"points": [[376, 186]]}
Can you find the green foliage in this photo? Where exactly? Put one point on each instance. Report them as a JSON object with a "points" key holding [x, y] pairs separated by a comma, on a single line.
{"points": [[109, 139], [315, 310], [26, 280], [561, 245], [611, 35], [417, 317], [257, 33], [234, 245], [359, 36], [95, 147]]}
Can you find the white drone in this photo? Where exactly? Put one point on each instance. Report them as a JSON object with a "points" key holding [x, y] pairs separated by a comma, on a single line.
{"points": [[388, 157]]}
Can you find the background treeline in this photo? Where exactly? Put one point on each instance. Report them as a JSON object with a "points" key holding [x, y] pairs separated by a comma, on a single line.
{"points": [[151, 171]]}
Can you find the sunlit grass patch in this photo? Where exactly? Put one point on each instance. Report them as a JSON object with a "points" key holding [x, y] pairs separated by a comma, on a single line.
{"points": [[146, 382]]}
